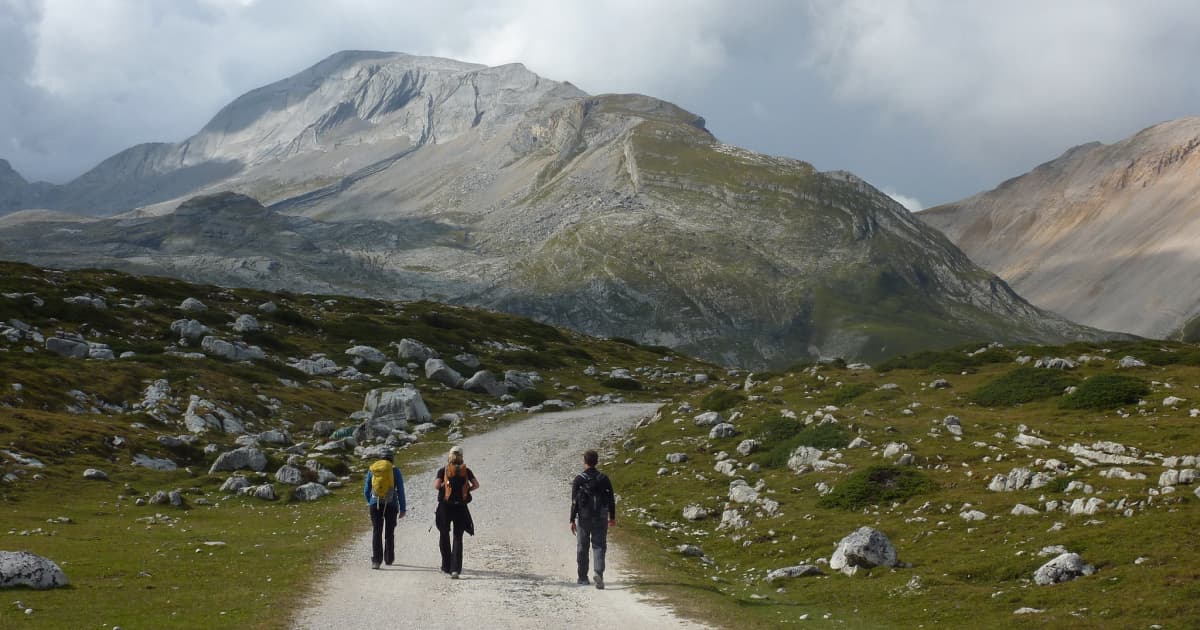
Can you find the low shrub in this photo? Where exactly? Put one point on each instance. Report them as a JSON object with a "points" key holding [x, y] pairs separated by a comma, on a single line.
{"points": [[847, 393], [1105, 391], [529, 358], [530, 397], [721, 400], [876, 485], [621, 383], [1022, 385], [782, 443]]}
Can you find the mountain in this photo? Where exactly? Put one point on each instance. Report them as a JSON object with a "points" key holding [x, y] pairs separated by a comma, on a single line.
{"points": [[398, 176], [1106, 235]]}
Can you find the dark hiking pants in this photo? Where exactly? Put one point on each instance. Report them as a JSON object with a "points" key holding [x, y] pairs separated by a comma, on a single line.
{"points": [[591, 532], [452, 555], [383, 533]]}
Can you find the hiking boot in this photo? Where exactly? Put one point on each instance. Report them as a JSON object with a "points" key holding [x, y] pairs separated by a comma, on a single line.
{"points": [[454, 575], [374, 565], [582, 580], [599, 581]]}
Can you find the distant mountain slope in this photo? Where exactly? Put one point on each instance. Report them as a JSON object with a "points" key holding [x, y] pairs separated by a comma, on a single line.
{"points": [[1107, 235], [620, 215]]}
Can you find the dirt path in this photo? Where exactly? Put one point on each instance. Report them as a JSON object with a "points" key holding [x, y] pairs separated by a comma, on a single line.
{"points": [[519, 570]]}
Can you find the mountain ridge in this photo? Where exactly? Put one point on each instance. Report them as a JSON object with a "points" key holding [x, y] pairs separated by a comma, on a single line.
{"points": [[618, 214], [1103, 234]]}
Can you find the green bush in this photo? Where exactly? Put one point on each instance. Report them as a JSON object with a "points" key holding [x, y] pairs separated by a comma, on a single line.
{"points": [[1106, 391], [530, 397], [721, 400], [876, 485], [529, 358], [784, 435], [1058, 485], [946, 361], [846, 393], [621, 383], [1022, 385]]}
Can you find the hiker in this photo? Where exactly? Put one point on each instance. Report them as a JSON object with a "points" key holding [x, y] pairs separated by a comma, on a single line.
{"points": [[593, 511], [454, 483], [384, 489]]}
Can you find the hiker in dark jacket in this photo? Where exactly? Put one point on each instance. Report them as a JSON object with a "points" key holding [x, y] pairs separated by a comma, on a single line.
{"points": [[593, 510], [454, 483], [383, 517]]}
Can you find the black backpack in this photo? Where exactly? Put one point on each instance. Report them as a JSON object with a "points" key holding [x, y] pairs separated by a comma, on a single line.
{"points": [[590, 497]]}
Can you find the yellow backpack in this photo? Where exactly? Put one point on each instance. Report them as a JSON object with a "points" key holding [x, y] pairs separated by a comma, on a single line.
{"points": [[383, 485]]}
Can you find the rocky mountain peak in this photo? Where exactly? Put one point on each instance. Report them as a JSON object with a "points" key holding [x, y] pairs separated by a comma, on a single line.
{"points": [[1104, 234]]}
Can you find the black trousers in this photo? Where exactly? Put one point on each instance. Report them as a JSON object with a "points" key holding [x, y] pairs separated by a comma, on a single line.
{"points": [[456, 518], [591, 533], [383, 533]]}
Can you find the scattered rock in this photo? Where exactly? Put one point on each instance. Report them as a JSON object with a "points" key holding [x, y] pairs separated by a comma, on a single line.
{"points": [[484, 382], [676, 458], [236, 351], [410, 349], [691, 551], [801, 570], [311, 492], [1064, 568], [289, 475], [723, 430], [747, 446], [397, 407], [367, 354], [695, 513], [235, 484], [864, 548], [709, 418], [21, 568], [96, 474], [940, 383], [192, 305], [152, 463], [437, 371], [70, 348], [1130, 362], [246, 457], [246, 323], [189, 329]]}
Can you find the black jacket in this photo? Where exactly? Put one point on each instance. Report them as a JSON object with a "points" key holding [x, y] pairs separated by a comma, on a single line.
{"points": [[600, 482]]}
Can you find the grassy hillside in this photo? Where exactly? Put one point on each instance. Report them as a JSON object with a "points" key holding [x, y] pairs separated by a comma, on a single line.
{"points": [[963, 573], [226, 560]]}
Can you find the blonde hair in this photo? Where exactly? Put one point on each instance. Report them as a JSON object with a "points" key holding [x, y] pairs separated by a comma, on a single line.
{"points": [[455, 456]]}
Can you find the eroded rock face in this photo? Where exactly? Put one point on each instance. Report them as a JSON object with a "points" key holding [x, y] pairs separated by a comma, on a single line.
{"points": [[865, 548], [21, 568]]}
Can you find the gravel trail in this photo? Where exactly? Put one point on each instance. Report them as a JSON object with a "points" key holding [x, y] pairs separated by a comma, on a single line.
{"points": [[519, 568]]}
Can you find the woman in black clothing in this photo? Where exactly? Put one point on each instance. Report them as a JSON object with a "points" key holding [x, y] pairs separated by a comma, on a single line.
{"points": [[454, 484]]}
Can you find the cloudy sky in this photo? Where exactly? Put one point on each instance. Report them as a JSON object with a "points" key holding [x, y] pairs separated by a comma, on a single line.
{"points": [[930, 100]]}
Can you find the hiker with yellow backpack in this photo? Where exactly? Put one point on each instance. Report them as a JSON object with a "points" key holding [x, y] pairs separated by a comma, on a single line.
{"points": [[384, 490], [454, 483]]}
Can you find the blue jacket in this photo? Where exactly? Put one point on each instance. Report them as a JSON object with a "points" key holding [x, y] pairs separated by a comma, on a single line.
{"points": [[399, 481]]}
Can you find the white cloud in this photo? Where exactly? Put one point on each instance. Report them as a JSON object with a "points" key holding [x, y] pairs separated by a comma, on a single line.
{"points": [[912, 204], [996, 77]]}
